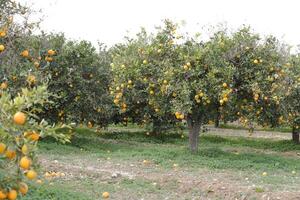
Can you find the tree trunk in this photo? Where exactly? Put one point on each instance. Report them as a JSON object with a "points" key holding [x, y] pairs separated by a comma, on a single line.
{"points": [[156, 126], [295, 134], [217, 119], [194, 130]]}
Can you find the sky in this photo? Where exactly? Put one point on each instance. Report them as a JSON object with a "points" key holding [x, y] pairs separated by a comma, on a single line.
{"points": [[108, 21]]}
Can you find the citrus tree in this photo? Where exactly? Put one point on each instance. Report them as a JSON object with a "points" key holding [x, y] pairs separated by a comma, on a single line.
{"points": [[166, 79], [20, 130], [290, 104], [21, 100], [16, 58], [80, 77], [258, 77], [201, 81], [139, 90]]}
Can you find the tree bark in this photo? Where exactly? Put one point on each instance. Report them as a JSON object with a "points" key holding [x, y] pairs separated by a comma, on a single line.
{"points": [[217, 122], [194, 130], [217, 119], [156, 127], [295, 135]]}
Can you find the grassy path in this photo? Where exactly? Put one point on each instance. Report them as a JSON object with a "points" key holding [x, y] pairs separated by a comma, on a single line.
{"points": [[132, 165]]}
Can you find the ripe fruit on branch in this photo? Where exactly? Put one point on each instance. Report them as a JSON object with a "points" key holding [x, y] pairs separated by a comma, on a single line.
{"points": [[23, 188], [2, 47], [31, 174], [51, 52], [19, 118], [25, 163], [25, 53]]}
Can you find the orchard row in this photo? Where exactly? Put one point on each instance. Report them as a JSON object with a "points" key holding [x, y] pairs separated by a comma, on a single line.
{"points": [[162, 81]]}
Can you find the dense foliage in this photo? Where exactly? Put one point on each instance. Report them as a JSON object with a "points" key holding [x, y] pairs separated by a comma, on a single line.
{"points": [[164, 80]]}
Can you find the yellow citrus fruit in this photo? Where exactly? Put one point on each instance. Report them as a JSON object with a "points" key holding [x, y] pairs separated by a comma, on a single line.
{"points": [[2, 33], [19, 118], [264, 173], [25, 53], [36, 64], [31, 79], [10, 154], [31, 174], [49, 59], [26, 133], [105, 195], [221, 101], [34, 136], [2, 47], [23, 188], [51, 52], [224, 85], [4, 85], [12, 195], [3, 194], [25, 163], [2, 147], [90, 125], [24, 149]]}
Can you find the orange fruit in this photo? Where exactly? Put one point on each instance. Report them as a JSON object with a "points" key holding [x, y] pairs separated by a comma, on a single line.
{"points": [[12, 195], [34, 136], [2, 33], [26, 133], [90, 125], [105, 195], [31, 79], [24, 149], [3, 194], [19, 118], [31, 174], [36, 64], [2, 47], [51, 52], [25, 163], [49, 59], [2, 147], [10, 154], [4, 85], [23, 188], [25, 53]]}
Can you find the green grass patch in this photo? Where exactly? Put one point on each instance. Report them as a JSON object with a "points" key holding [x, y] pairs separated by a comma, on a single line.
{"points": [[213, 152], [237, 127], [54, 192]]}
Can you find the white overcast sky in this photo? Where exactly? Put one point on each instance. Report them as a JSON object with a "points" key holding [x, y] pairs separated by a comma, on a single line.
{"points": [[109, 21]]}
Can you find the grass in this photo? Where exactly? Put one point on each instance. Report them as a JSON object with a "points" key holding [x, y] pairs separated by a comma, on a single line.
{"points": [[215, 151], [246, 156], [238, 127], [53, 192]]}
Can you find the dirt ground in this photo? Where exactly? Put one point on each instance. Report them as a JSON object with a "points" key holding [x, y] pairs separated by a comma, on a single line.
{"points": [[245, 133], [178, 183]]}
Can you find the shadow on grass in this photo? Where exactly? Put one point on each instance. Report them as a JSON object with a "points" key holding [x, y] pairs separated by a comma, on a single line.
{"points": [[96, 140], [279, 145], [128, 146]]}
